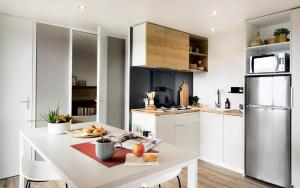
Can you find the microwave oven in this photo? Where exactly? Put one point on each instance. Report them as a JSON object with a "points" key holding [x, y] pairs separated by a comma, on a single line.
{"points": [[271, 63]]}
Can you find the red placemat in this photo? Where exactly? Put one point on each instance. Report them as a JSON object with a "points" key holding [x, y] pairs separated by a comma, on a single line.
{"points": [[118, 158]]}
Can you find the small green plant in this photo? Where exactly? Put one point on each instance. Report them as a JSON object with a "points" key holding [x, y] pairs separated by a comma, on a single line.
{"points": [[281, 31], [194, 99], [53, 116]]}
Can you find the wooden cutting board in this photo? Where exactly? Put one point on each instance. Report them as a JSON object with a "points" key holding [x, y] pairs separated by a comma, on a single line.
{"points": [[184, 94]]}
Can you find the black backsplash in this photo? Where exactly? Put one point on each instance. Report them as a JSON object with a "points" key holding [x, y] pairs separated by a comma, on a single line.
{"points": [[166, 83]]}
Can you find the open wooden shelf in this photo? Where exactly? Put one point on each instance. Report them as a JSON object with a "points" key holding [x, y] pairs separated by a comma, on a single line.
{"points": [[195, 70], [197, 54], [199, 47], [271, 47]]}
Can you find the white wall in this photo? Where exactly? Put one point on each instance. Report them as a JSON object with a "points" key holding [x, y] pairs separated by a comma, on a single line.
{"points": [[225, 70]]}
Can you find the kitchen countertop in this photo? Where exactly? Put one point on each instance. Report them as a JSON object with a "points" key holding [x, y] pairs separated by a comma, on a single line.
{"points": [[158, 112]]}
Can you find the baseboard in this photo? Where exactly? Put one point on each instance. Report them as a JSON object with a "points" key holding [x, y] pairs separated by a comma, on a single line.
{"points": [[221, 164]]}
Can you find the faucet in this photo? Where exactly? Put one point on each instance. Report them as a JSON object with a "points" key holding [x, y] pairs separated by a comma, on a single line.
{"points": [[218, 104]]}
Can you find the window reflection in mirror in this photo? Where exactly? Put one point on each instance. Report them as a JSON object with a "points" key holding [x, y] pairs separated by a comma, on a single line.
{"points": [[84, 77]]}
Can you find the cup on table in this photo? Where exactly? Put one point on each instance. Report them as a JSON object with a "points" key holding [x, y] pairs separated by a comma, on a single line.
{"points": [[105, 148]]}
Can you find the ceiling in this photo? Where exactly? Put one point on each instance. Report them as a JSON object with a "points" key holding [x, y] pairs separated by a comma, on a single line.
{"points": [[193, 16]]}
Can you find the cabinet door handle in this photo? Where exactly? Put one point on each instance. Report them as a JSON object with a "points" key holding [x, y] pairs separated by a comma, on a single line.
{"points": [[185, 125]]}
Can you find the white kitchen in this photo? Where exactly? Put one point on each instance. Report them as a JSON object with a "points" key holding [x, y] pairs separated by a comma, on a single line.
{"points": [[129, 94]]}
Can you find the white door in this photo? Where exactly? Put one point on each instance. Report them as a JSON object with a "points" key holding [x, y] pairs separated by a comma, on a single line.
{"points": [[212, 137], [102, 76], [234, 142], [16, 41], [296, 106]]}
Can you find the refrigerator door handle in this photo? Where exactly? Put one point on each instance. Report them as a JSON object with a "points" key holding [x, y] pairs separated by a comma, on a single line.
{"points": [[268, 107], [292, 96]]}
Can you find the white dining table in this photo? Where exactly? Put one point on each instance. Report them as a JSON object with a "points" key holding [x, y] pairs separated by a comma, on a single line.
{"points": [[81, 171]]}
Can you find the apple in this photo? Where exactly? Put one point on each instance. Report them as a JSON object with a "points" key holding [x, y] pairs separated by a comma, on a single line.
{"points": [[138, 149]]}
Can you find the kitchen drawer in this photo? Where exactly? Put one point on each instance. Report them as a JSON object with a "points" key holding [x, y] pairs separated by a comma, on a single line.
{"points": [[186, 136], [186, 118], [164, 128]]}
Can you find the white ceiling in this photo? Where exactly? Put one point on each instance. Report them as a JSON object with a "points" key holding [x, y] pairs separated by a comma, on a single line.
{"points": [[193, 16]]}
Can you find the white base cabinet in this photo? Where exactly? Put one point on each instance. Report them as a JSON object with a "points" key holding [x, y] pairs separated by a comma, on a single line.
{"points": [[234, 143], [217, 138], [186, 136], [178, 129], [164, 129], [160, 126], [222, 140], [212, 136]]}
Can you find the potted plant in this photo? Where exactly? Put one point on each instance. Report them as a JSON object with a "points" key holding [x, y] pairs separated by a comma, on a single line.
{"points": [[281, 34], [57, 123], [194, 100]]}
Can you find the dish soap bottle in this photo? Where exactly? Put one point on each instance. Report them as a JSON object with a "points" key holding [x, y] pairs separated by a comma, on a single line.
{"points": [[227, 104]]}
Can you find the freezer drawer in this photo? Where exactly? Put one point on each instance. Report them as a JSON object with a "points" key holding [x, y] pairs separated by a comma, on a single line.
{"points": [[268, 153], [268, 91]]}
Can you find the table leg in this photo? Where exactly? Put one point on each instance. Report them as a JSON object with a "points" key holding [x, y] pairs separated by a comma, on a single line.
{"points": [[21, 152], [193, 174]]}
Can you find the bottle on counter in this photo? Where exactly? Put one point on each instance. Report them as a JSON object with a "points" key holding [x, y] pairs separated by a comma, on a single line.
{"points": [[227, 104], [146, 102]]}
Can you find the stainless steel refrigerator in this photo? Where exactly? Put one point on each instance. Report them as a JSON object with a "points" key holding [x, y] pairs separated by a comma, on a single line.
{"points": [[268, 129]]}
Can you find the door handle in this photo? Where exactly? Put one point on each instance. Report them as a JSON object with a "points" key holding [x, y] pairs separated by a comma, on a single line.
{"points": [[27, 101], [268, 107], [292, 97]]}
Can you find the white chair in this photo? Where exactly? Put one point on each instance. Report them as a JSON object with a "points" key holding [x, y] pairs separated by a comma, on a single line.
{"points": [[38, 171], [163, 178]]}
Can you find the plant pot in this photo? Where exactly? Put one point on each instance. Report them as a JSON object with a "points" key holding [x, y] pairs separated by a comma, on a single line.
{"points": [[58, 128], [281, 37]]}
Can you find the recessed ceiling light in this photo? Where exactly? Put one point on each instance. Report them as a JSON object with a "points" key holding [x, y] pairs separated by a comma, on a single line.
{"points": [[82, 7], [214, 12], [212, 29]]}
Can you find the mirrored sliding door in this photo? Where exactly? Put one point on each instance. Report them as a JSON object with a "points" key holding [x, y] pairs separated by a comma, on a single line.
{"points": [[84, 76]]}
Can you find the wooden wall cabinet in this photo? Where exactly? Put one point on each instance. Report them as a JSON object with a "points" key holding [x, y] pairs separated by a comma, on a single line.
{"points": [[149, 43], [177, 50], [155, 46]]}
